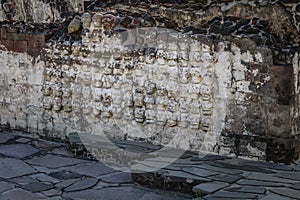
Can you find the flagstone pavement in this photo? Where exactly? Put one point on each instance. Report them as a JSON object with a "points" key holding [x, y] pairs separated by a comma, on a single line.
{"points": [[34, 168]]}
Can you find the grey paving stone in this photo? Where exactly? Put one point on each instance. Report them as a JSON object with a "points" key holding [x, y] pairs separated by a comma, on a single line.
{"points": [[153, 164], [226, 178], [37, 187], [239, 167], [52, 192], [4, 186], [272, 196], [184, 176], [18, 150], [199, 172], [296, 186], [119, 177], [101, 185], [117, 193], [91, 169], [82, 184], [219, 169], [62, 151], [260, 183], [143, 168], [55, 198], [64, 174], [289, 175], [20, 194], [45, 144], [266, 165], [143, 145], [155, 196], [23, 140], [234, 195], [5, 137], [209, 157], [210, 187], [11, 167], [54, 161], [66, 183], [169, 152], [23, 180], [44, 178], [268, 177], [287, 192], [247, 189]]}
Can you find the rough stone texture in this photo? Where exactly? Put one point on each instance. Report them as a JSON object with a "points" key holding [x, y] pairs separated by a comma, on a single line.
{"points": [[206, 177], [11, 167], [223, 77]]}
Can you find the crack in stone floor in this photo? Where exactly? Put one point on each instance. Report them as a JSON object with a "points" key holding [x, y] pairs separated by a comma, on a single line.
{"points": [[34, 168]]}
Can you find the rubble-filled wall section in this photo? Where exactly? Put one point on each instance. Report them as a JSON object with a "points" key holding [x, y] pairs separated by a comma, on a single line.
{"points": [[175, 90]]}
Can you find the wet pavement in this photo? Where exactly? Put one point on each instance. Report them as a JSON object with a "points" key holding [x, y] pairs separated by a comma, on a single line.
{"points": [[33, 168]]}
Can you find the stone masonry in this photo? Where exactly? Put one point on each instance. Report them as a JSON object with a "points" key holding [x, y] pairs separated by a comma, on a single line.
{"points": [[211, 76]]}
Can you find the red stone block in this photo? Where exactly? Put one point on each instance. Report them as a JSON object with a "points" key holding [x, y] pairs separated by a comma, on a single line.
{"points": [[20, 46], [9, 44]]}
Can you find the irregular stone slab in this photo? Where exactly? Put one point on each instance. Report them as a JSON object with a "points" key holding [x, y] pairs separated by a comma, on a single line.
{"points": [[234, 195], [18, 150], [209, 157], [23, 180], [144, 145], [199, 172], [91, 169], [20, 194], [296, 186], [143, 168], [54, 161], [107, 194], [82, 184], [11, 167], [185, 176], [239, 167], [268, 177], [23, 140], [5, 187], [62, 151], [65, 183], [156, 196], [260, 183], [219, 169], [5, 137], [272, 196], [45, 144], [266, 165], [287, 192], [64, 174], [226, 178], [289, 175], [119, 177], [247, 189], [37, 187], [44, 178], [210, 187], [52, 192]]}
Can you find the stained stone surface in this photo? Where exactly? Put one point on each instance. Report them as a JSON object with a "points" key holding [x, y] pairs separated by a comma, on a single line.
{"points": [[48, 175]]}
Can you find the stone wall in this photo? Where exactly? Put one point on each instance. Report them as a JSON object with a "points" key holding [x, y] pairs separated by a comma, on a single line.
{"points": [[224, 81]]}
